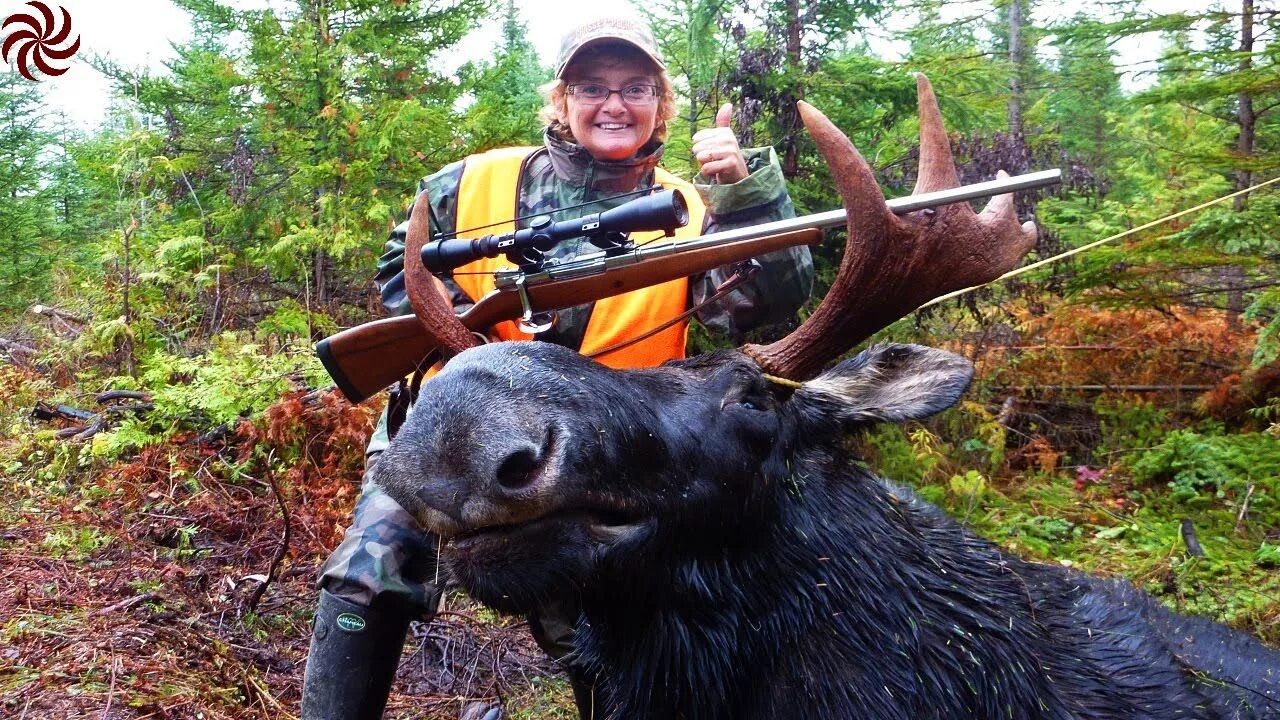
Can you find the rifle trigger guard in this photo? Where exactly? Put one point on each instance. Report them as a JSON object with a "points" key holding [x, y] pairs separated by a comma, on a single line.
{"points": [[531, 322]]}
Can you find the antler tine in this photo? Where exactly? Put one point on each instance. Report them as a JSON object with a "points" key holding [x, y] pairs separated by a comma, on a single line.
{"points": [[937, 170], [1000, 214], [424, 290], [801, 354], [894, 264]]}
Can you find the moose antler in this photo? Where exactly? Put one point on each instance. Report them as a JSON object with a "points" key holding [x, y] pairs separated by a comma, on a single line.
{"points": [[893, 264], [428, 303]]}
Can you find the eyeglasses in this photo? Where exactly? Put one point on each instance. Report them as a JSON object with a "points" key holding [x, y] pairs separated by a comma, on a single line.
{"points": [[595, 93]]}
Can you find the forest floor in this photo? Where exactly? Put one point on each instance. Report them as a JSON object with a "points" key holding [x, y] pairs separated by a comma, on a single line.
{"points": [[143, 592], [176, 580]]}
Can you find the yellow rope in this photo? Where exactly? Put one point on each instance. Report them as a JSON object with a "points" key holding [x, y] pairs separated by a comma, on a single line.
{"points": [[783, 381], [1096, 243]]}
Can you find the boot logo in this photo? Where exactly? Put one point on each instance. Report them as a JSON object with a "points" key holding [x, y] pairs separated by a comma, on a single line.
{"points": [[350, 622]]}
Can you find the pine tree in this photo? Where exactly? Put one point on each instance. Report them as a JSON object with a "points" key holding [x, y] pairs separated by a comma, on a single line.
{"points": [[1080, 108], [1233, 83], [768, 51], [1229, 78], [506, 101], [295, 149], [693, 42], [25, 252]]}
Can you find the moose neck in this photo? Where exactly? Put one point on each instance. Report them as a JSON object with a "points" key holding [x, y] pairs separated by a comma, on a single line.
{"points": [[689, 631]]}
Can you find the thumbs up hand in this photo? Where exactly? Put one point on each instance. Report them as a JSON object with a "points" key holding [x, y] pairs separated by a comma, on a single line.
{"points": [[717, 151]]}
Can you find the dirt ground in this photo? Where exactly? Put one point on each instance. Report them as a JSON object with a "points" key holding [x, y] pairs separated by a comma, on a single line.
{"points": [[162, 587]]}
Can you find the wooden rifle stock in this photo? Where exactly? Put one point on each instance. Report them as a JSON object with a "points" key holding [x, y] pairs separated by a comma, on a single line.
{"points": [[367, 358]]}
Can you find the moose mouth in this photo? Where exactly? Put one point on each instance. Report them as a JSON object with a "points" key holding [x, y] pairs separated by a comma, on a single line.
{"points": [[518, 566], [599, 526]]}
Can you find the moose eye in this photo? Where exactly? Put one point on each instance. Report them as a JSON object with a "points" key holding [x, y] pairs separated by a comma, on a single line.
{"points": [[745, 401]]}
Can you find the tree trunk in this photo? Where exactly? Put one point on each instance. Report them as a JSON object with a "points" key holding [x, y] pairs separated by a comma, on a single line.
{"points": [[1245, 117], [1233, 275], [126, 311], [1016, 61], [692, 119], [321, 38], [319, 271], [791, 149]]}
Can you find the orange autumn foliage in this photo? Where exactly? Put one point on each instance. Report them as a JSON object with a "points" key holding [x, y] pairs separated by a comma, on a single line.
{"points": [[1089, 346]]}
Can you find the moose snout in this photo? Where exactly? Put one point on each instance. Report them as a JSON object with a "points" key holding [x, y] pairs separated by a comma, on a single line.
{"points": [[501, 480], [516, 472]]}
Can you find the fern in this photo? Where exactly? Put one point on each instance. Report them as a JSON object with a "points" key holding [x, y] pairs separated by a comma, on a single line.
{"points": [[231, 381], [1266, 305], [1193, 464]]}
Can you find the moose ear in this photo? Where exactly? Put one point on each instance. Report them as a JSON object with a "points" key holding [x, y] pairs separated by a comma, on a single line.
{"points": [[884, 383]]}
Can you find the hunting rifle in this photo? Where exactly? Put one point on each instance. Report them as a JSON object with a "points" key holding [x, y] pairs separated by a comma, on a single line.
{"points": [[364, 359]]}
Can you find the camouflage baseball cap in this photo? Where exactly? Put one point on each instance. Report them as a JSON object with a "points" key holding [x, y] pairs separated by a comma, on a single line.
{"points": [[613, 29]]}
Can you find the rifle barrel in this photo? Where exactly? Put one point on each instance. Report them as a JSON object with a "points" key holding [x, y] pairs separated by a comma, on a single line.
{"points": [[900, 206], [598, 262]]}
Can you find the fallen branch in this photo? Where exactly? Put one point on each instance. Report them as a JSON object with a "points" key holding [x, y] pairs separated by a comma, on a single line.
{"points": [[1008, 409], [53, 312], [15, 348], [217, 434], [123, 604], [122, 409], [313, 397], [111, 691], [110, 395], [90, 423], [44, 411], [63, 322], [1244, 506], [252, 605], [91, 429], [82, 432], [262, 692]]}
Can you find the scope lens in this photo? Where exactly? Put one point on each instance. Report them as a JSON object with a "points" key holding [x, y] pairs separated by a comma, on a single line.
{"points": [[680, 207]]}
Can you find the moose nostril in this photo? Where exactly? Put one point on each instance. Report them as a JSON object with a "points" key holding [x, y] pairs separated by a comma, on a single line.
{"points": [[517, 470]]}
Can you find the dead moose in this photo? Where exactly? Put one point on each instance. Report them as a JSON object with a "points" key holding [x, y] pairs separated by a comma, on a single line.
{"points": [[731, 559]]}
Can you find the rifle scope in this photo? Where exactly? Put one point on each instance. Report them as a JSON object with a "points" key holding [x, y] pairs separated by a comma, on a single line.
{"points": [[664, 210]]}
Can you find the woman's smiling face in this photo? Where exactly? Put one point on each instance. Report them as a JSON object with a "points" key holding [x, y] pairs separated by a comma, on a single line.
{"points": [[613, 129]]}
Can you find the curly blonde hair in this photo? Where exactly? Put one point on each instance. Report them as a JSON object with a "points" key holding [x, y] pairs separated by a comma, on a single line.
{"points": [[555, 113]]}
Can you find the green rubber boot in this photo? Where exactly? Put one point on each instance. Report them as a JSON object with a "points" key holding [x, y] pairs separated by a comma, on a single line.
{"points": [[354, 654]]}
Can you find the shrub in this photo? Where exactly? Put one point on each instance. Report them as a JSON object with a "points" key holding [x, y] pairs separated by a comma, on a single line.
{"points": [[1194, 464]]}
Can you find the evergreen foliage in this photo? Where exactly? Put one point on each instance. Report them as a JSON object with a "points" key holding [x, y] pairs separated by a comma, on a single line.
{"points": [[505, 98], [25, 212]]}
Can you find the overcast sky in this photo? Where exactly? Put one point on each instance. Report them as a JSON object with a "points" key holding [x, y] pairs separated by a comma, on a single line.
{"points": [[138, 33]]}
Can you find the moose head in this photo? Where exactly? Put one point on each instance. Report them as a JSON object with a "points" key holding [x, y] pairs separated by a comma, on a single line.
{"points": [[548, 470], [730, 558]]}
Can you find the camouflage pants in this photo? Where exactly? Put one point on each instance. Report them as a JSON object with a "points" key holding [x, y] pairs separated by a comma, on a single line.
{"points": [[385, 555]]}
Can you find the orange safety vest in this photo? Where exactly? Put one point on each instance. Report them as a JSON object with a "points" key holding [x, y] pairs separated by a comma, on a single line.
{"points": [[487, 195]]}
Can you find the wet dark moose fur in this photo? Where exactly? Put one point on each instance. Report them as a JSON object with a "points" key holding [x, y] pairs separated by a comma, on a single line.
{"points": [[732, 559]]}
